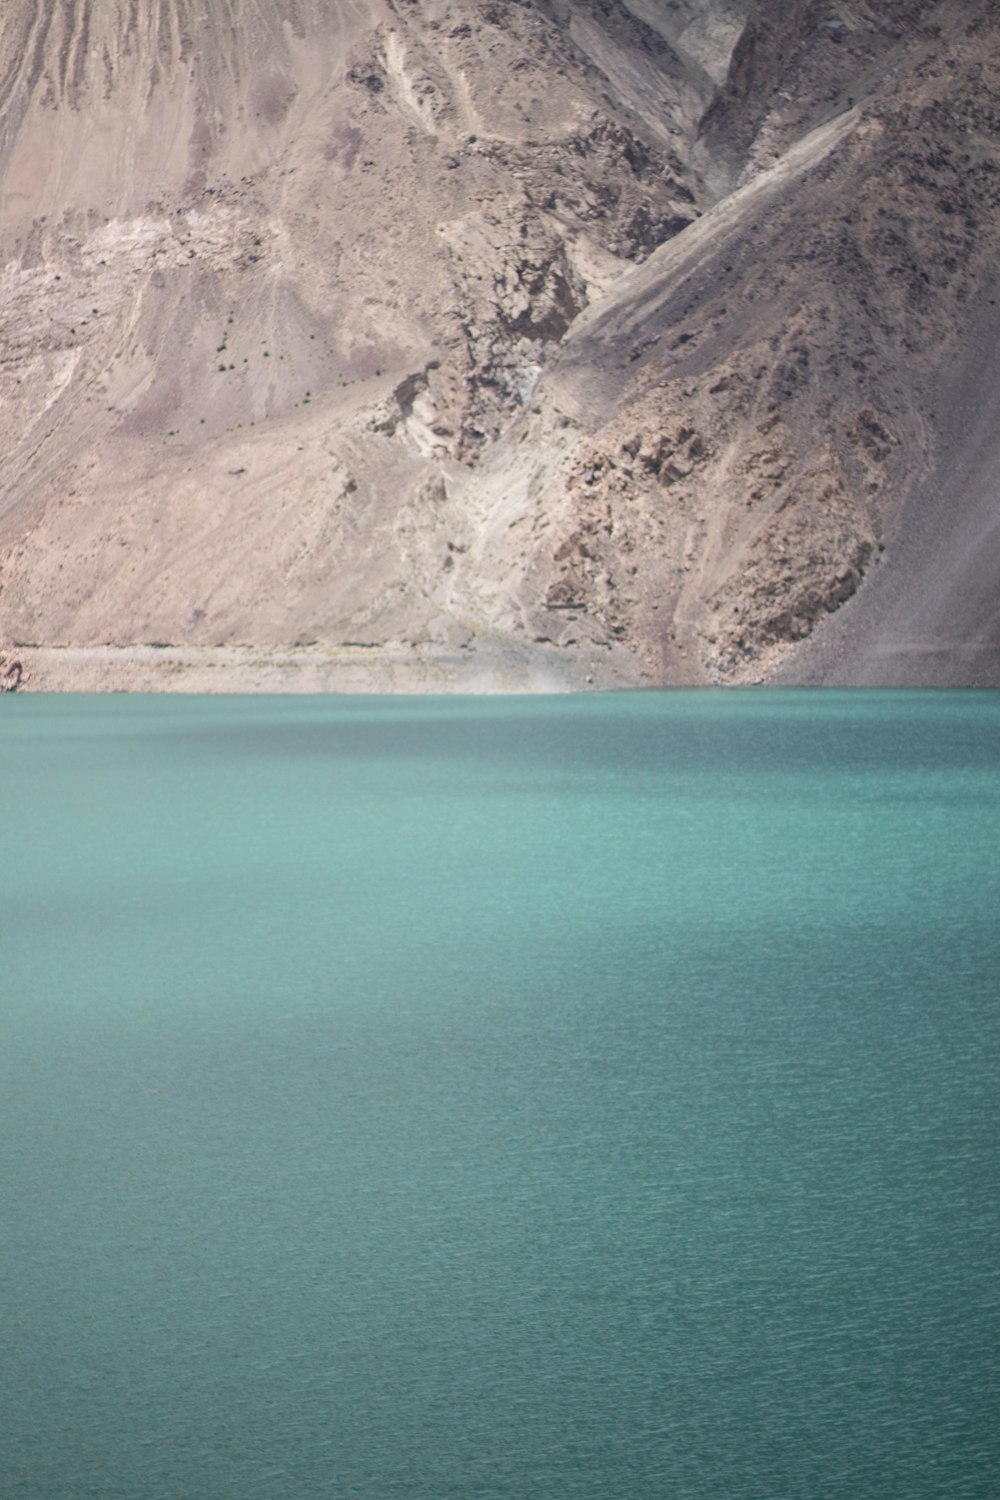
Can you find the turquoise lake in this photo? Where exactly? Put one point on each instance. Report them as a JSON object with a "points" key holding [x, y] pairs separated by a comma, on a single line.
{"points": [[592, 1097]]}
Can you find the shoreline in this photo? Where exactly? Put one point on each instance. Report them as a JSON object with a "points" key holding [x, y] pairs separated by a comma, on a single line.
{"points": [[486, 667]]}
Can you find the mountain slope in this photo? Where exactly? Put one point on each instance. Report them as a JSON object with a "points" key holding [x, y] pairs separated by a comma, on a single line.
{"points": [[616, 333]]}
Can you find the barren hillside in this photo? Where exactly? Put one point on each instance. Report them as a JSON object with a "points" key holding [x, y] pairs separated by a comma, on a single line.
{"points": [[520, 343]]}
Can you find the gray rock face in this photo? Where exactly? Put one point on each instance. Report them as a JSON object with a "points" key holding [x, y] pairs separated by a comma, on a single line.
{"points": [[631, 332]]}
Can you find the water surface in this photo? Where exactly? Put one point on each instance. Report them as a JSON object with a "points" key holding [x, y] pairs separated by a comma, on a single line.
{"points": [[586, 1097]]}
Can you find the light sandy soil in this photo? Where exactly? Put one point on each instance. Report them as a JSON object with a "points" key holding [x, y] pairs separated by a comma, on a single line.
{"points": [[487, 666], [370, 343]]}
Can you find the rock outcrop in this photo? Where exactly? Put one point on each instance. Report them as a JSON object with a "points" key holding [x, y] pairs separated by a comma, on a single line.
{"points": [[11, 674]]}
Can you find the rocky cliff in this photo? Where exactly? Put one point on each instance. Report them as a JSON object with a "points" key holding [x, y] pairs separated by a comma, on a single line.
{"points": [[637, 337]]}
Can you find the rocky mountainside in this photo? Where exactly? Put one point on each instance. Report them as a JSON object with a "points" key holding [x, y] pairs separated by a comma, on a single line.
{"points": [[646, 342]]}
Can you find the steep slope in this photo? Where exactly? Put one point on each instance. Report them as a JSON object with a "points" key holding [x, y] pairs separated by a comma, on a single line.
{"points": [[932, 619], [611, 335], [764, 400], [274, 273]]}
